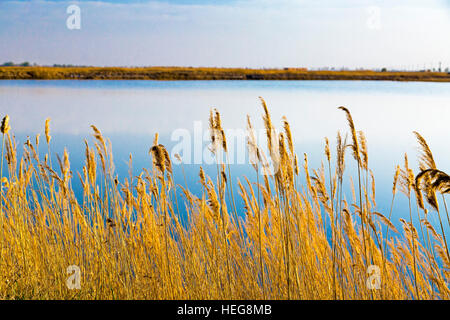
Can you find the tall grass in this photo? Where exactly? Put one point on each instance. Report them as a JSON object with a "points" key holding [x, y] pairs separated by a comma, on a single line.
{"points": [[291, 240]]}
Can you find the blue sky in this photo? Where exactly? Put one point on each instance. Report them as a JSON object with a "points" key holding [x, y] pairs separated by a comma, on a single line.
{"points": [[241, 33]]}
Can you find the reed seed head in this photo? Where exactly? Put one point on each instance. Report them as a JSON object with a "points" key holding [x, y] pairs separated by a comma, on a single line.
{"points": [[5, 125], [48, 137]]}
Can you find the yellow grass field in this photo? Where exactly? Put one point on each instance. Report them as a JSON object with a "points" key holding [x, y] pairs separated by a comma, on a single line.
{"points": [[129, 241]]}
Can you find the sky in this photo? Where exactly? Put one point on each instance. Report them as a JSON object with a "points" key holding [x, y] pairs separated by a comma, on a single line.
{"points": [[406, 34]]}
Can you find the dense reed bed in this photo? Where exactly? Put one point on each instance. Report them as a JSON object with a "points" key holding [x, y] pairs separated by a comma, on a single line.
{"points": [[292, 240]]}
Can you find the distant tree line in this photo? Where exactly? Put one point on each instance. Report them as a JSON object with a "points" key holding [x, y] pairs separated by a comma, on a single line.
{"points": [[12, 64]]}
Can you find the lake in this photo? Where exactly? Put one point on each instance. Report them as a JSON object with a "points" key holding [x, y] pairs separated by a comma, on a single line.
{"points": [[129, 113]]}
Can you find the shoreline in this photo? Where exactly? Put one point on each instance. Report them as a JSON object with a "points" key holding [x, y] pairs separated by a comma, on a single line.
{"points": [[190, 73]]}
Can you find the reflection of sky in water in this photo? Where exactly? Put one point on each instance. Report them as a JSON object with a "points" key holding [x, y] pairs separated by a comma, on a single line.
{"points": [[130, 112]]}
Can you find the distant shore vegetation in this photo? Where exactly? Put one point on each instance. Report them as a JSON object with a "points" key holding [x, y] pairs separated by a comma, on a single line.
{"points": [[28, 71]]}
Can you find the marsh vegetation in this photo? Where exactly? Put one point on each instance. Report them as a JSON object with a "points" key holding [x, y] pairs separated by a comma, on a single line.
{"points": [[297, 237]]}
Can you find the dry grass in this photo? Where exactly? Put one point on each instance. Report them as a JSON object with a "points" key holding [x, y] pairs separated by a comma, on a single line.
{"points": [[187, 73], [129, 242]]}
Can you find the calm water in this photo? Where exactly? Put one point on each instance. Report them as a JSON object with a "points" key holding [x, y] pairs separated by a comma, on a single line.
{"points": [[131, 112]]}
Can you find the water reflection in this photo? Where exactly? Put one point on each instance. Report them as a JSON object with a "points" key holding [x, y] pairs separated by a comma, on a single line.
{"points": [[131, 112]]}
